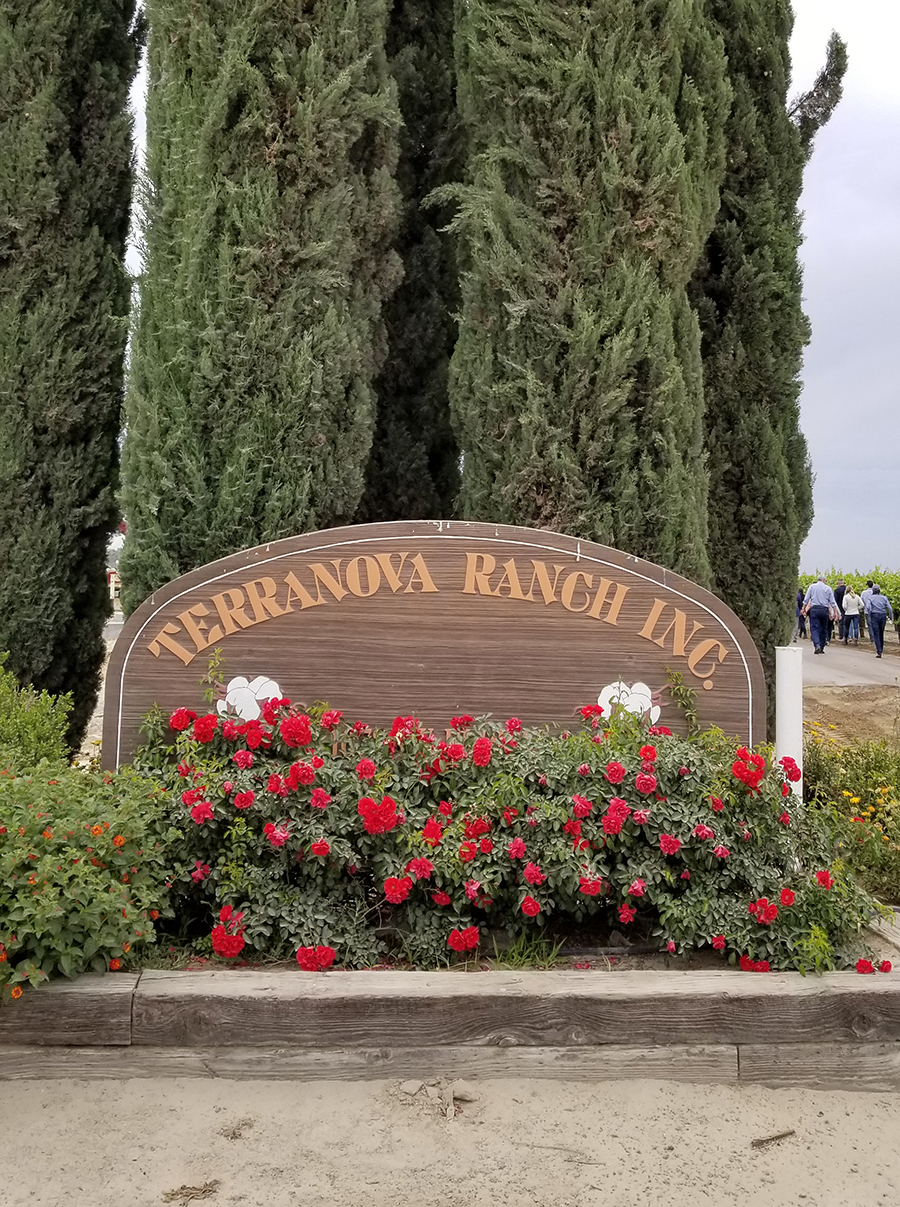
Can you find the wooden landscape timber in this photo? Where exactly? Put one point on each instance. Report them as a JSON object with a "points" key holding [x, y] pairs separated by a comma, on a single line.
{"points": [[434, 619], [843, 1029]]}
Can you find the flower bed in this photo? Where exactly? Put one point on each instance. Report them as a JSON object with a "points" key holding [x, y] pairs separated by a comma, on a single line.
{"points": [[297, 833]]}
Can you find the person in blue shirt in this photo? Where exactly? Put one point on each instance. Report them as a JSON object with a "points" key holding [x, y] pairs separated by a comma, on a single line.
{"points": [[878, 611], [821, 607]]}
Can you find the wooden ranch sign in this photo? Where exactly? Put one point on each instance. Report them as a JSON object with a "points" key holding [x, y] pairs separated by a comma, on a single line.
{"points": [[435, 619]]}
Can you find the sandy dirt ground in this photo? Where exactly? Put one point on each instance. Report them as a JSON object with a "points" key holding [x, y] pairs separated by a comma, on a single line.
{"points": [[528, 1143], [854, 714]]}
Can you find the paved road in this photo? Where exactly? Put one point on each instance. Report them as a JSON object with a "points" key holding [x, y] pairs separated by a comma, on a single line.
{"points": [[849, 666]]}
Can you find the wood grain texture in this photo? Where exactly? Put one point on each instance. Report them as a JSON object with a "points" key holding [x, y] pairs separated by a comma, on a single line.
{"points": [[528, 1009], [93, 1010], [407, 626], [699, 1064], [822, 1066]]}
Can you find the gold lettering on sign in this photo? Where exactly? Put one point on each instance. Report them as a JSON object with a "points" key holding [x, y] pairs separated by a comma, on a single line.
{"points": [[373, 576], [296, 590], [264, 605], [603, 587], [324, 578], [704, 648], [510, 581], [230, 606], [164, 640], [542, 578], [570, 586], [421, 576], [386, 562], [680, 639], [197, 629], [479, 568]]}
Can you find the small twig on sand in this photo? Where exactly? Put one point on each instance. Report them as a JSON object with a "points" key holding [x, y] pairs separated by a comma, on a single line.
{"points": [[771, 1139], [184, 1194]]}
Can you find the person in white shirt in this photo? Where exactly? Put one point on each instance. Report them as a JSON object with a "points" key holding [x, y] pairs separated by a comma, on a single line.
{"points": [[852, 606], [866, 596], [821, 607]]}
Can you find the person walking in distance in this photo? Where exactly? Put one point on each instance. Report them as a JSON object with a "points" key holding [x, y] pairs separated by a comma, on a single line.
{"points": [[877, 615], [866, 596], [852, 607], [839, 592], [799, 618], [821, 607]]}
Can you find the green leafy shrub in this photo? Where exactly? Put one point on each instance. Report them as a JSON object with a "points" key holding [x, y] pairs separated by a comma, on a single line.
{"points": [[860, 782], [32, 724], [81, 876], [296, 832]]}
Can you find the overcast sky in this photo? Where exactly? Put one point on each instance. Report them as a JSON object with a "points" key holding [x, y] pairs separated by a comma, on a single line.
{"points": [[851, 254]]}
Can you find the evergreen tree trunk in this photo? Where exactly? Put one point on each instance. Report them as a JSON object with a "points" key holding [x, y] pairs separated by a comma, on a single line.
{"points": [[594, 155], [270, 212], [748, 295], [65, 194], [413, 469]]}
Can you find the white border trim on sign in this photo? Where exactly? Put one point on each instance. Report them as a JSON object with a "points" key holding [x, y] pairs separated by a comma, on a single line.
{"points": [[439, 536]]}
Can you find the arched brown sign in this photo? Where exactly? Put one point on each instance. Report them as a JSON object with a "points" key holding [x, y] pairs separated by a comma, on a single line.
{"points": [[434, 619]]}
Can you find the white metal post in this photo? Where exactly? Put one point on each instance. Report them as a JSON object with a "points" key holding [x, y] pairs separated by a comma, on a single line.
{"points": [[789, 706]]}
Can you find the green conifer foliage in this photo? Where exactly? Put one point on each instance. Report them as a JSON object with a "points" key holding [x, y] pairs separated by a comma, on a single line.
{"points": [[594, 145], [65, 194], [413, 469], [748, 294], [270, 212]]}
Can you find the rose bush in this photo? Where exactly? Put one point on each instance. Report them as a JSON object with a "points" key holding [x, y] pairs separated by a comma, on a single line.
{"points": [[334, 837]]}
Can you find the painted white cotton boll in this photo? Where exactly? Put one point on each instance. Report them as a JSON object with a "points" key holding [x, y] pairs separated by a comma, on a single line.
{"points": [[246, 698], [637, 699]]}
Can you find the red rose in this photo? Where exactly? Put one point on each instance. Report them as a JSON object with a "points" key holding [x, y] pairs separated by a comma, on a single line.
{"points": [[224, 944], [244, 800], [365, 769], [684, 771], [378, 819], [746, 964], [533, 874], [764, 911], [530, 907], [467, 852], [721, 852], [485, 846], [513, 725], [481, 752], [397, 890], [637, 888], [669, 845], [509, 815], [456, 940], [717, 805], [787, 897], [825, 879], [761, 966], [456, 752], [785, 819], [320, 798], [331, 719], [573, 827], [580, 806], [202, 812], [115, 965], [647, 753], [885, 966], [685, 875], [315, 959], [612, 823], [703, 832], [181, 718], [420, 867], [445, 808], [584, 769], [432, 833], [302, 773], [626, 913], [440, 898], [243, 759], [516, 849], [614, 772], [320, 848], [785, 790], [205, 728], [864, 966], [670, 946], [718, 942], [645, 783], [296, 731], [640, 817], [475, 828], [590, 885]]}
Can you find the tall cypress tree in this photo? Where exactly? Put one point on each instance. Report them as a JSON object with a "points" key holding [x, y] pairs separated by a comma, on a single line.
{"points": [[413, 469], [270, 211], [65, 195], [594, 154], [748, 294]]}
